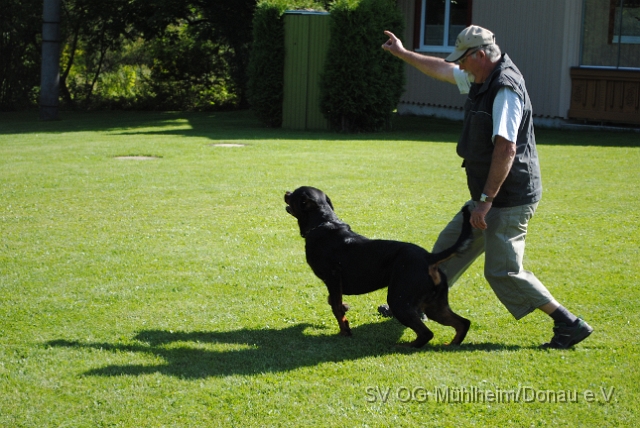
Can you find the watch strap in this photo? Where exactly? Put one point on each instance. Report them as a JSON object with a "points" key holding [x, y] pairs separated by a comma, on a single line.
{"points": [[485, 198]]}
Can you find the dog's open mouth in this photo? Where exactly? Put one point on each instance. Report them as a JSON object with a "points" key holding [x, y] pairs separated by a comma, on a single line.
{"points": [[288, 207]]}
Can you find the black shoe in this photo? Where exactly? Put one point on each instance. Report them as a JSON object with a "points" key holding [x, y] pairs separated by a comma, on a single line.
{"points": [[385, 311], [566, 336]]}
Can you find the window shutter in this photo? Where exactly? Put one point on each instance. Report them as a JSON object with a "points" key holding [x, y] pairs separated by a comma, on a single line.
{"points": [[417, 22]]}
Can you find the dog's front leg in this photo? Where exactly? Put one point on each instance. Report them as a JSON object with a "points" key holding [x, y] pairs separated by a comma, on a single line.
{"points": [[339, 309]]}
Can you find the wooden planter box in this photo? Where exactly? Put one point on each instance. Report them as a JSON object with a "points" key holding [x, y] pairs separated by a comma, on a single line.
{"points": [[605, 95]]}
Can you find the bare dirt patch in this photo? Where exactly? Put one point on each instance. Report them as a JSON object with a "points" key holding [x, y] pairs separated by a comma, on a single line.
{"points": [[132, 157], [227, 145]]}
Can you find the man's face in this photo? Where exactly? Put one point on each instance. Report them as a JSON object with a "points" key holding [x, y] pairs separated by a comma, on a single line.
{"points": [[473, 63], [467, 60]]}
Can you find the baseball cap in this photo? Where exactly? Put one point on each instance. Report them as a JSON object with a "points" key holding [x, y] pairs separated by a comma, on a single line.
{"points": [[469, 38]]}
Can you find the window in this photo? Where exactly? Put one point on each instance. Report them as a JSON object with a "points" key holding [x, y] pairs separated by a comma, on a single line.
{"points": [[624, 21], [440, 23], [611, 34]]}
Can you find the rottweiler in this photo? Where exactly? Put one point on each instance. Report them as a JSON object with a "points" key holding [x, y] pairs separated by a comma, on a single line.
{"points": [[351, 264]]}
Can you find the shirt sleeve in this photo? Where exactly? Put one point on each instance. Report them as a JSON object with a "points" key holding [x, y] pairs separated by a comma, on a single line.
{"points": [[507, 114], [463, 80]]}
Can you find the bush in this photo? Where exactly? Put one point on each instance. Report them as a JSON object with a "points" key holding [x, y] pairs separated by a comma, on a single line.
{"points": [[361, 84], [266, 64], [173, 71], [189, 73], [20, 47]]}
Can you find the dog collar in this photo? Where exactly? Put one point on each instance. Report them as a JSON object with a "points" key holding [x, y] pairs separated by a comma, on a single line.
{"points": [[326, 223]]}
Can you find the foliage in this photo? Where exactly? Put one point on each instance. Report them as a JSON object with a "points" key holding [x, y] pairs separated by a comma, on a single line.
{"points": [[20, 26], [228, 23], [124, 81], [361, 84], [266, 66], [92, 32], [101, 39], [175, 293], [189, 74], [175, 54]]}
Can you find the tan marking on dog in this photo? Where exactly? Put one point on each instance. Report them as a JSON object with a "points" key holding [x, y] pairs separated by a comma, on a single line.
{"points": [[434, 274]]}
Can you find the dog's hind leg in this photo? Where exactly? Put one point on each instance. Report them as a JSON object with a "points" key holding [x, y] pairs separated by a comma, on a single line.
{"points": [[411, 317], [436, 307], [440, 312]]}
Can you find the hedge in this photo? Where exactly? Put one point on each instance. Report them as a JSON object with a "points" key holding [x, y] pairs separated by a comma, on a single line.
{"points": [[361, 84]]}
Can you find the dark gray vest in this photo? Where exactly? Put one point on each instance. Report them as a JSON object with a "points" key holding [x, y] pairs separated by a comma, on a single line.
{"points": [[523, 184]]}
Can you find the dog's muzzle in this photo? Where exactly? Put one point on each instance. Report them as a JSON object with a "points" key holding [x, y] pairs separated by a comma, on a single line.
{"points": [[286, 200]]}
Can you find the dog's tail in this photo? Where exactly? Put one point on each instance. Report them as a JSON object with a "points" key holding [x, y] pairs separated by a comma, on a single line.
{"points": [[461, 245]]}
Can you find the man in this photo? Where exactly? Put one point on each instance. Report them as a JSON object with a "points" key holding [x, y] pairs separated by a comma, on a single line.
{"points": [[503, 175]]}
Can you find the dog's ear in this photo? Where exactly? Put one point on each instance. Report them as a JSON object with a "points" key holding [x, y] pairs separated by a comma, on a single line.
{"points": [[329, 202]]}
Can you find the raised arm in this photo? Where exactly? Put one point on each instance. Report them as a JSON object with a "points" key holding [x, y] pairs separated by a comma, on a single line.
{"points": [[431, 66]]}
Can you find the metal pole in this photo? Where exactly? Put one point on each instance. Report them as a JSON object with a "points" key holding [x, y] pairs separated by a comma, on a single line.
{"points": [[50, 71]]}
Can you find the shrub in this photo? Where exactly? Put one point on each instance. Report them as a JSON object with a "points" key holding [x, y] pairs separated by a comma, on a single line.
{"points": [[361, 84], [20, 47], [189, 73]]}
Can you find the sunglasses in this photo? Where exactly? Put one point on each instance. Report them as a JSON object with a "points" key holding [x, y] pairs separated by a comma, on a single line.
{"points": [[466, 55]]}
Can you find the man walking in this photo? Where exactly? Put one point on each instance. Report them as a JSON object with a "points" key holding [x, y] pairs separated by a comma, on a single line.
{"points": [[503, 175]]}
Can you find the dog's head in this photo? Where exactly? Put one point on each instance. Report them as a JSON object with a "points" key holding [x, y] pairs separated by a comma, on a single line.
{"points": [[310, 206]]}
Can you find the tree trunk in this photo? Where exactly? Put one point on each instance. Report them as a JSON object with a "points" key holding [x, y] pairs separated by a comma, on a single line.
{"points": [[50, 68]]}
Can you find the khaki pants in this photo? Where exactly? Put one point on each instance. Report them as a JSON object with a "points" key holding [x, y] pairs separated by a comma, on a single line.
{"points": [[503, 245]]}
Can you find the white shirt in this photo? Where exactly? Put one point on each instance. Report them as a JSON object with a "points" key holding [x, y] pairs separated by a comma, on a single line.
{"points": [[507, 107]]}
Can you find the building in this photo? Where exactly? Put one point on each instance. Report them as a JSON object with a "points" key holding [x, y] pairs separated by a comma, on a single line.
{"points": [[580, 58]]}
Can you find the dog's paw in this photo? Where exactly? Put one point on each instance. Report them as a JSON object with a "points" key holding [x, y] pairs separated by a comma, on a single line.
{"points": [[345, 330], [421, 340], [345, 307]]}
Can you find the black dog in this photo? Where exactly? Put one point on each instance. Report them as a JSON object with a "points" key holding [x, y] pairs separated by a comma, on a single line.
{"points": [[350, 264]]}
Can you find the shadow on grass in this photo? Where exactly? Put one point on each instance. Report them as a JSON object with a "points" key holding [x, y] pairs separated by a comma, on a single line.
{"points": [[217, 126], [228, 126], [190, 355]]}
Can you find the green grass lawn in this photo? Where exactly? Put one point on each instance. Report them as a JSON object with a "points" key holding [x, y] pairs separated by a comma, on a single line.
{"points": [[174, 291]]}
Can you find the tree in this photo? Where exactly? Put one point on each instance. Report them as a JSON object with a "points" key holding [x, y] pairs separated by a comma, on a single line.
{"points": [[98, 34], [228, 22], [94, 28], [49, 80], [20, 26]]}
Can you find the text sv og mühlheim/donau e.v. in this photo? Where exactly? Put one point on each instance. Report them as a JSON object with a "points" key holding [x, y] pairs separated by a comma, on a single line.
{"points": [[473, 394]]}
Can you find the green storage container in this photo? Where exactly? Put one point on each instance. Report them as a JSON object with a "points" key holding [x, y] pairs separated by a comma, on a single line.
{"points": [[306, 43]]}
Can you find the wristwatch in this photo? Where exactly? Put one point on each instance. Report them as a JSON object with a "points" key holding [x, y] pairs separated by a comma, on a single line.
{"points": [[485, 198]]}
